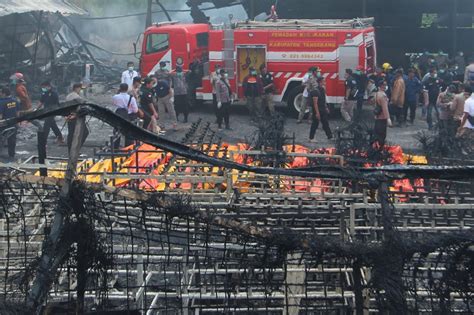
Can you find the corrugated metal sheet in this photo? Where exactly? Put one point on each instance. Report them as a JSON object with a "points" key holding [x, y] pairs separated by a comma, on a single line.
{"points": [[22, 6]]}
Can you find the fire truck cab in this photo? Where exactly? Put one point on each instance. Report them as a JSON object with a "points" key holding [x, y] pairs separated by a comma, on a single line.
{"points": [[287, 47]]}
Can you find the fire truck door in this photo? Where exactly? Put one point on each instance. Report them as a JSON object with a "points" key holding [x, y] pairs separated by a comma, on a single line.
{"points": [[348, 59], [248, 56]]}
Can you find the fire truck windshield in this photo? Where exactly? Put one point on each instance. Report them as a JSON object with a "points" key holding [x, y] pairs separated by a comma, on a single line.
{"points": [[157, 42]]}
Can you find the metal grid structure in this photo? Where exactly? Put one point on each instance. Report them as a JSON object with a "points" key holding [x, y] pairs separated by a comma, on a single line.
{"points": [[219, 240]]}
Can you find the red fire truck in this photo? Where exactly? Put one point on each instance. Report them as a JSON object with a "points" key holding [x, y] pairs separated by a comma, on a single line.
{"points": [[288, 48]]}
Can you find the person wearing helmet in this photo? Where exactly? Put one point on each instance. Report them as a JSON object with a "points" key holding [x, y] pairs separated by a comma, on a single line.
{"points": [[22, 94]]}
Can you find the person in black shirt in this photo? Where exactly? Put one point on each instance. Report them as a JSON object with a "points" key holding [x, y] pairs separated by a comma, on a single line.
{"points": [[361, 84], [320, 111], [146, 102], [347, 109], [9, 109], [268, 89], [432, 86], [50, 98]]}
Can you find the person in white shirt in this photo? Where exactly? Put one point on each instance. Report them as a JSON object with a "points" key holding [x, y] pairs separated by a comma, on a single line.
{"points": [[74, 97], [466, 131], [129, 74], [127, 108]]}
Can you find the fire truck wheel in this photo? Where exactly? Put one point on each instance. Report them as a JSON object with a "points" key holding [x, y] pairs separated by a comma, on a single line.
{"points": [[295, 99]]}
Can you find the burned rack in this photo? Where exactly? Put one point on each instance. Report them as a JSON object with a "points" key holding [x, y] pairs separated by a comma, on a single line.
{"points": [[176, 235]]}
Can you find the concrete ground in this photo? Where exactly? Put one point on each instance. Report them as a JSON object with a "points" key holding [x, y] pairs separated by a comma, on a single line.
{"points": [[242, 129]]}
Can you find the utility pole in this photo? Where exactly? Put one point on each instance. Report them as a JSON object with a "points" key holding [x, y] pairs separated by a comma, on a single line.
{"points": [[148, 13]]}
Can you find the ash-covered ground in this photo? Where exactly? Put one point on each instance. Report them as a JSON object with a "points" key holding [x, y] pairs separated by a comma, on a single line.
{"points": [[242, 130]]}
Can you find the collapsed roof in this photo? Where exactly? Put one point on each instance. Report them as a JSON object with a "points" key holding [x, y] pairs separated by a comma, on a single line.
{"points": [[8, 7]]}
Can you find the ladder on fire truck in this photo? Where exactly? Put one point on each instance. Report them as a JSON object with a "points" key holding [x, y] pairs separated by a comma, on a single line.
{"points": [[306, 24], [228, 52]]}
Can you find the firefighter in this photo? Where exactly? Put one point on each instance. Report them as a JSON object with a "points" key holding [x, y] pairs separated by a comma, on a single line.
{"points": [[310, 83], [347, 109], [22, 94], [253, 90], [129, 74], [50, 98], [9, 109], [224, 99], [320, 113], [268, 89], [180, 86], [71, 119]]}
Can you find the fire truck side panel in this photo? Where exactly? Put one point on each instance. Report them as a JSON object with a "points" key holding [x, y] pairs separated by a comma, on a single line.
{"points": [[289, 54]]}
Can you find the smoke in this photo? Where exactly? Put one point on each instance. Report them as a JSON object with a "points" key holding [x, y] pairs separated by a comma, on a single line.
{"points": [[118, 35]]}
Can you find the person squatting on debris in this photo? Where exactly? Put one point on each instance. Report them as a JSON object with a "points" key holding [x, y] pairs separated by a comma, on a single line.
{"points": [[127, 108], [129, 74], [8, 109], [268, 90], [347, 109], [253, 90], [164, 95], [180, 87], [320, 113], [50, 98], [224, 99], [146, 103], [466, 131], [397, 100], [310, 84], [381, 115], [71, 119]]}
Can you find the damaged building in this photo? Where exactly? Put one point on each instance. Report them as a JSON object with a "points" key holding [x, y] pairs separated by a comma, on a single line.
{"points": [[42, 43]]}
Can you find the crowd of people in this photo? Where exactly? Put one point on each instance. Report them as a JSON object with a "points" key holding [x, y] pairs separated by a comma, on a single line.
{"points": [[394, 94]]}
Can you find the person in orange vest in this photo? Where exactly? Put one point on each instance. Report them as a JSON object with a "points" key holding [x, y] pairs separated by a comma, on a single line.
{"points": [[22, 94], [253, 90]]}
